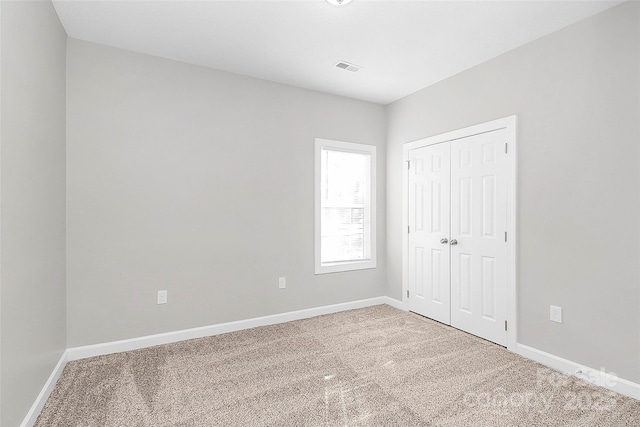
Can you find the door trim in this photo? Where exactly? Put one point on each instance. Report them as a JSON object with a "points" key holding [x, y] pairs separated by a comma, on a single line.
{"points": [[510, 125]]}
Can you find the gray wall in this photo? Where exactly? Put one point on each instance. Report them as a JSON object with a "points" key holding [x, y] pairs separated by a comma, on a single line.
{"points": [[32, 234], [201, 183], [576, 96]]}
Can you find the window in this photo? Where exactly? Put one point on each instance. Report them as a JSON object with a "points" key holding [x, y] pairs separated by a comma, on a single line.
{"points": [[345, 190]]}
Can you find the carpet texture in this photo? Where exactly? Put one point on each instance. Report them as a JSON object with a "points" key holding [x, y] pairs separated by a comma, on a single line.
{"points": [[376, 366]]}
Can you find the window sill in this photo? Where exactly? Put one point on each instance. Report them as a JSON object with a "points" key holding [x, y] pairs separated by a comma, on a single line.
{"points": [[345, 266]]}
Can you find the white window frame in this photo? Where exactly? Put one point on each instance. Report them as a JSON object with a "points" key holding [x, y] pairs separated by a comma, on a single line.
{"points": [[349, 147]]}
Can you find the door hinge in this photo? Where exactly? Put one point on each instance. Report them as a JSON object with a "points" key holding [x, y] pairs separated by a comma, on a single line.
{"points": [[505, 148], [505, 236], [505, 325], [407, 293], [408, 229], [408, 164]]}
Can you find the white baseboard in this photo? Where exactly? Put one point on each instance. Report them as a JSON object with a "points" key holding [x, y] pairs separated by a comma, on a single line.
{"points": [[595, 376], [37, 406], [602, 378], [400, 305], [76, 353]]}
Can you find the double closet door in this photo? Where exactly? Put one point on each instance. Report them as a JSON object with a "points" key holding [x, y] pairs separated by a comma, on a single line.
{"points": [[457, 262]]}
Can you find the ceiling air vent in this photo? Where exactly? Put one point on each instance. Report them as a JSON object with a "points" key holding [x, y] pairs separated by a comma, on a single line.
{"points": [[347, 66]]}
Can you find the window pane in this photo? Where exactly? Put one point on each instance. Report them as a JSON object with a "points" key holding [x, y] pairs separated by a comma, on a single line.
{"points": [[344, 205], [344, 177], [343, 234]]}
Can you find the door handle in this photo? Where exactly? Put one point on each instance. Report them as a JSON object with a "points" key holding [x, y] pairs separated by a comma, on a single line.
{"points": [[454, 242], [444, 241]]}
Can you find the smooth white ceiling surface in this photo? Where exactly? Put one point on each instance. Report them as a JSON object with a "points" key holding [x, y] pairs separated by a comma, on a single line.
{"points": [[402, 46]]}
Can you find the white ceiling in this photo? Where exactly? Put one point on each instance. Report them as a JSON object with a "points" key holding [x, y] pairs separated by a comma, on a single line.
{"points": [[402, 45]]}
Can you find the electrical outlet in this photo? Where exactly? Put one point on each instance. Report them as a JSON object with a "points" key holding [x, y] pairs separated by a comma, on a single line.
{"points": [[162, 297], [556, 314], [282, 282]]}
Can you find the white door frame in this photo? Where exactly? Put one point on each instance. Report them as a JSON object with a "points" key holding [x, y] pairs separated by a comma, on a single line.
{"points": [[508, 123]]}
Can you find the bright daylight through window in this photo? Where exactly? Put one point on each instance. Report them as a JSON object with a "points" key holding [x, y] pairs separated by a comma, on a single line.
{"points": [[345, 191]]}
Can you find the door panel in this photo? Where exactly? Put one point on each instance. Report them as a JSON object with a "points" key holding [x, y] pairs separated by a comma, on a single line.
{"points": [[429, 280], [478, 223], [457, 190]]}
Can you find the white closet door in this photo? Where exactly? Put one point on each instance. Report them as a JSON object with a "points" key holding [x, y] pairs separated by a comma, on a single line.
{"points": [[429, 281], [478, 225]]}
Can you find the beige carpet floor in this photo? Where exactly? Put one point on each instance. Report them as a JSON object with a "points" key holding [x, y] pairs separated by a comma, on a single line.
{"points": [[376, 366]]}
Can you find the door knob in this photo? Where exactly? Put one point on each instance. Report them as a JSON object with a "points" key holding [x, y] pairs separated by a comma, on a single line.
{"points": [[454, 242], [444, 241]]}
